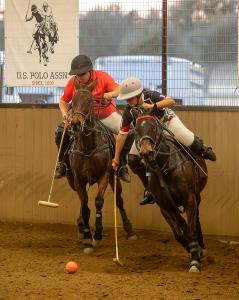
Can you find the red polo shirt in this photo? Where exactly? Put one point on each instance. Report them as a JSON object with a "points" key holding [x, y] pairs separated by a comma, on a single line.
{"points": [[104, 84]]}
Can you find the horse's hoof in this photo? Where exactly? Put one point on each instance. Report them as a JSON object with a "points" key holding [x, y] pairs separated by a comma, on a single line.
{"points": [[89, 250], [97, 243], [194, 269], [132, 237]]}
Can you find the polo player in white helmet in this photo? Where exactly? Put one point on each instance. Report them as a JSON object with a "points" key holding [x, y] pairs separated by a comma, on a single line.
{"points": [[131, 90]]}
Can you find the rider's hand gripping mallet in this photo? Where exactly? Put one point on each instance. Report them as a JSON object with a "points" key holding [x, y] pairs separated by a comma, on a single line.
{"points": [[116, 259], [48, 202]]}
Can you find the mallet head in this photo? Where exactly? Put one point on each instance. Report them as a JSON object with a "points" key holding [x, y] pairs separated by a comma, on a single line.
{"points": [[47, 203]]}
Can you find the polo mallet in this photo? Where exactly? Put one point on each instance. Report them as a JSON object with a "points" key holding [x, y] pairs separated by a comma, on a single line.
{"points": [[116, 259], [30, 49], [48, 202], [27, 9]]}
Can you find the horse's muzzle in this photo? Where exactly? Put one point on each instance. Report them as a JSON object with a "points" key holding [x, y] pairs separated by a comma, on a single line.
{"points": [[147, 151]]}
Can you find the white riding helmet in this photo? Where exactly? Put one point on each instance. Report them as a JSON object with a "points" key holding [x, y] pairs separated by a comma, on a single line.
{"points": [[129, 88]]}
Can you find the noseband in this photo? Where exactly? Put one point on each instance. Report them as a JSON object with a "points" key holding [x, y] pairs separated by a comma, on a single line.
{"points": [[155, 141]]}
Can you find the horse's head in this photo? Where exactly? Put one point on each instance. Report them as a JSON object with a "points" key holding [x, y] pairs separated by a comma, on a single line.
{"points": [[148, 135], [82, 103]]}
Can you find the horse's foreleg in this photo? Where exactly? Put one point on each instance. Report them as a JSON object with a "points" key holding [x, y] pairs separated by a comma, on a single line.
{"points": [[191, 209], [177, 224], [99, 202], [83, 220], [120, 204], [198, 227]]}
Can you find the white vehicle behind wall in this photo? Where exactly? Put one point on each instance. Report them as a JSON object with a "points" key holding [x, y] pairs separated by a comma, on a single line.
{"points": [[185, 81]]}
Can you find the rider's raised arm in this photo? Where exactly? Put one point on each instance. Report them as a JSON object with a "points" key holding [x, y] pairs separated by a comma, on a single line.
{"points": [[158, 99], [166, 102], [29, 19], [111, 87]]}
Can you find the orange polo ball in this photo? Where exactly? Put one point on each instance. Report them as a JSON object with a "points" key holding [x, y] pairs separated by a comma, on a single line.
{"points": [[71, 267]]}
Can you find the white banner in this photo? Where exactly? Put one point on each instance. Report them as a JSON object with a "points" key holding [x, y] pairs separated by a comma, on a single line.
{"points": [[42, 37]]}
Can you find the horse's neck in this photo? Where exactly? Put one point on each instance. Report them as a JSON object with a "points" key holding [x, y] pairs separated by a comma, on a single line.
{"points": [[163, 154], [89, 138], [169, 153]]}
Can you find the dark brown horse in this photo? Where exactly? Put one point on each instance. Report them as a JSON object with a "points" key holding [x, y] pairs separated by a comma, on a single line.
{"points": [[175, 178], [90, 159]]}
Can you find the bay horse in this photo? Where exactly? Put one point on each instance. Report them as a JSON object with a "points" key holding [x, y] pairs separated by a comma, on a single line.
{"points": [[176, 178], [90, 158]]}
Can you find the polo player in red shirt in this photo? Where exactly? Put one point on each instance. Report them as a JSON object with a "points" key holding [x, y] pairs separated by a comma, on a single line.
{"points": [[106, 88]]}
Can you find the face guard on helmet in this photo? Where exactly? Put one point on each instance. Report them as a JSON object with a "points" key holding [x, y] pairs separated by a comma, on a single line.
{"points": [[80, 64], [129, 88]]}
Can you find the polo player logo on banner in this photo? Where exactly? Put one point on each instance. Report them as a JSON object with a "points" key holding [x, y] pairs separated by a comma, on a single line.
{"points": [[40, 41], [45, 33]]}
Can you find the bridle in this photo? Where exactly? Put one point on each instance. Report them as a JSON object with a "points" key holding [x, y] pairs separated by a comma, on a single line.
{"points": [[155, 141], [86, 116]]}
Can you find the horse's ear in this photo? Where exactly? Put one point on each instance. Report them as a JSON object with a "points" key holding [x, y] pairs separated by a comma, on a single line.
{"points": [[91, 86], [137, 112], [153, 111], [76, 83]]}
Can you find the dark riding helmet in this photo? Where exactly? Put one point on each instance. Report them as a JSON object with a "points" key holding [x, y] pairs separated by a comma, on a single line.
{"points": [[33, 7], [81, 64]]}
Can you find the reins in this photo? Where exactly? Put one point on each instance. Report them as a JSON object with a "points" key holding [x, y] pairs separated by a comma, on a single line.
{"points": [[183, 147], [87, 128]]}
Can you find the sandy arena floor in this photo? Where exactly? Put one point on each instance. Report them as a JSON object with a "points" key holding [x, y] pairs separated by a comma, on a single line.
{"points": [[33, 258]]}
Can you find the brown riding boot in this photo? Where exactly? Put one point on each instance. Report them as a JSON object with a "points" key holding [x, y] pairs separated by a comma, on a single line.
{"points": [[148, 199], [199, 148]]}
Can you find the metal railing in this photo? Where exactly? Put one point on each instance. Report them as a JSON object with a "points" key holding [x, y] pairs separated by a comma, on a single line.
{"points": [[201, 48]]}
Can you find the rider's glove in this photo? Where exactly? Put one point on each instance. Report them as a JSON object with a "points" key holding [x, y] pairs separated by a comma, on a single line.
{"points": [[66, 120], [115, 164]]}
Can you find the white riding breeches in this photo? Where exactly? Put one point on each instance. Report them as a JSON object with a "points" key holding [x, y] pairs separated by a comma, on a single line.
{"points": [[180, 131], [113, 122]]}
